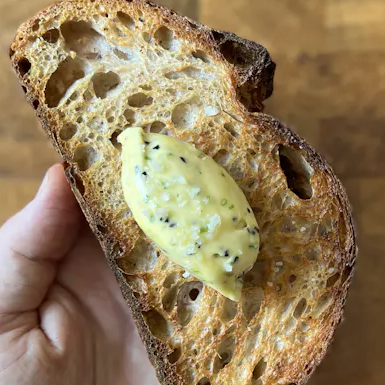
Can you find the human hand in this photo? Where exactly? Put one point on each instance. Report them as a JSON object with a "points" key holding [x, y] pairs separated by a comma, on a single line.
{"points": [[63, 319]]}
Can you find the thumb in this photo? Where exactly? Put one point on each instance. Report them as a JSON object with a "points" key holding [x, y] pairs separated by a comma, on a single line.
{"points": [[34, 241]]}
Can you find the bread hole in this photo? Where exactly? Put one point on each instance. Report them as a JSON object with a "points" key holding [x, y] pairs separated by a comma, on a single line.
{"points": [[140, 100], [147, 37], [236, 170], [231, 129], [174, 356], [51, 36], [130, 116], [104, 83], [85, 156], [322, 304], [114, 140], [24, 89], [300, 308], [81, 38], [204, 381], [184, 116], [23, 66], [159, 327], [229, 310], [126, 20], [188, 300], [35, 104], [142, 258], [146, 87], [36, 25], [313, 253], [201, 56], [259, 370], [121, 55], [297, 171], [290, 325], [165, 38], [346, 273], [79, 120], [67, 132], [68, 72], [292, 278], [103, 230], [222, 157], [189, 72], [252, 298], [170, 280], [225, 354], [169, 299], [157, 127], [79, 185], [332, 280], [235, 53]]}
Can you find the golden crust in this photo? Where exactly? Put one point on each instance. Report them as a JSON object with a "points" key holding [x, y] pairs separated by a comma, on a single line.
{"points": [[294, 297]]}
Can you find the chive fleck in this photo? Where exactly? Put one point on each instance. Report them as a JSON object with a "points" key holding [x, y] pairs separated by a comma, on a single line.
{"points": [[203, 230], [144, 173], [157, 147], [183, 159], [236, 259], [253, 246], [231, 207], [251, 231], [172, 225], [216, 255], [234, 219], [223, 174], [226, 253], [167, 220], [248, 210], [223, 202], [147, 158], [146, 143]]}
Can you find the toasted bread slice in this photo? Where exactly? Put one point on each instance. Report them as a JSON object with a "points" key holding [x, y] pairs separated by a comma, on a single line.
{"points": [[94, 68]]}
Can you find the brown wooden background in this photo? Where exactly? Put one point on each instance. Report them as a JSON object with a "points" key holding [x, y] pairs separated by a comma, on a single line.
{"points": [[329, 85]]}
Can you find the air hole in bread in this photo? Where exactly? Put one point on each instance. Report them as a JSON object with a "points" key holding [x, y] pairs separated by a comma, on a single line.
{"points": [[204, 381], [225, 354], [229, 310], [79, 185], [259, 370], [67, 132], [146, 87], [187, 306], [122, 55], [130, 116], [184, 115], [201, 56], [300, 308], [189, 72], [292, 278], [332, 280], [52, 36], [231, 129], [170, 280], [297, 171], [346, 273], [159, 327], [322, 304], [126, 20], [221, 157], [313, 252], [36, 25], [147, 37], [140, 100], [142, 258], [165, 38], [304, 327], [23, 66], [174, 356], [169, 299], [88, 96], [114, 140], [252, 299], [68, 72], [35, 104], [104, 83], [157, 127], [85, 156]]}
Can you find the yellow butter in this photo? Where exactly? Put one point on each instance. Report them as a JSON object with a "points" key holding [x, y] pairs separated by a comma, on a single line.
{"points": [[190, 207]]}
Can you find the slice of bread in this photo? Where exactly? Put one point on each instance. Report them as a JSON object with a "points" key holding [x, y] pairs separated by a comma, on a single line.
{"points": [[93, 68]]}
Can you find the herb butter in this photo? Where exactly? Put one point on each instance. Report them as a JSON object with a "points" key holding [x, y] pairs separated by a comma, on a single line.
{"points": [[190, 207]]}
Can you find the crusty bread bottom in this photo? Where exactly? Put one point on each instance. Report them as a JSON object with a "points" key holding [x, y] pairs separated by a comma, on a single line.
{"points": [[92, 69]]}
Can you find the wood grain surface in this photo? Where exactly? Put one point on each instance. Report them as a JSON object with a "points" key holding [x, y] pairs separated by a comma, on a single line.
{"points": [[329, 85]]}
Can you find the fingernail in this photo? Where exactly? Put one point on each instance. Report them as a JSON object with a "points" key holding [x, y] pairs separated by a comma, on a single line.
{"points": [[44, 184]]}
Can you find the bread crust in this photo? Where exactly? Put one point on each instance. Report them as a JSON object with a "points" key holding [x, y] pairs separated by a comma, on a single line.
{"points": [[252, 77]]}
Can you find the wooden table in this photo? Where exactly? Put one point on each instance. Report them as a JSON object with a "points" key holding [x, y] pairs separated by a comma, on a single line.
{"points": [[329, 85]]}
